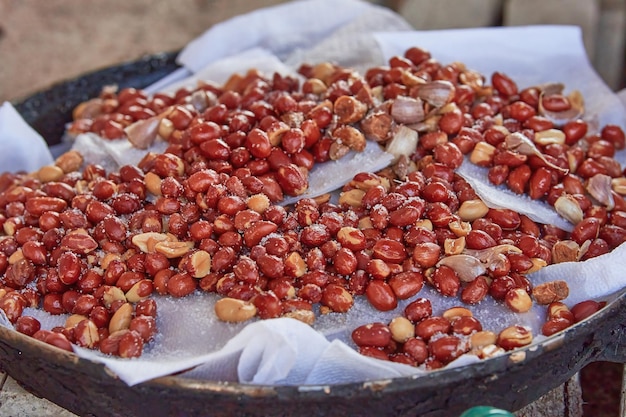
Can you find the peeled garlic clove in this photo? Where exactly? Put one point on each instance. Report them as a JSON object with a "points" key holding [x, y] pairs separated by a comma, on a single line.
{"points": [[143, 133], [437, 93], [568, 208], [467, 267], [201, 99], [404, 142], [600, 186], [407, 110]]}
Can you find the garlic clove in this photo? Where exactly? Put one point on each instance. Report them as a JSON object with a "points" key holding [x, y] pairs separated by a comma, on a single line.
{"points": [[143, 133], [404, 142], [519, 143], [89, 109], [568, 208], [201, 99], [466, 266], [600, 186], [437, 93], [407, 110]]}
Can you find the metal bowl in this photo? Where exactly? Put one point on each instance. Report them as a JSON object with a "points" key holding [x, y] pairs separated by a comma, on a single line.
{"points": [[86, 388]]}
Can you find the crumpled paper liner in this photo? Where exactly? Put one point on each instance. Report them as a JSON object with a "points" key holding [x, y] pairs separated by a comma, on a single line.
{"points": [[23, 149], [282, 351], [502, 197]]}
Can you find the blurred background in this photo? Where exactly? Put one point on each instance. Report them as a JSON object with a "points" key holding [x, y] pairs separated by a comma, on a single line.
{"points": [[42, 42], [45, 42]]}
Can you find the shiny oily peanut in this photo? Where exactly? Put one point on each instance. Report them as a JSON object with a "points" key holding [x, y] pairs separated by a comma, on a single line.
{"points": [[337, 298], [418, 310], [446, 348], [373, 334], [381, 296], [431, 326]]}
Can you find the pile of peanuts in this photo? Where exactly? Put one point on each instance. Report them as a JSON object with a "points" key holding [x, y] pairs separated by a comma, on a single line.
{"points": [[204, 215]]}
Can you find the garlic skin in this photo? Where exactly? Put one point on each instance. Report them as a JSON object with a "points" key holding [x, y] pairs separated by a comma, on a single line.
{"points": [[600, 187], [485, 254], [560, 118], [519, 143], [475, 262]]}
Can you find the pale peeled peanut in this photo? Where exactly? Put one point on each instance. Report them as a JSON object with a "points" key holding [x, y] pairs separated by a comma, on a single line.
{"points": [[234, 310]]}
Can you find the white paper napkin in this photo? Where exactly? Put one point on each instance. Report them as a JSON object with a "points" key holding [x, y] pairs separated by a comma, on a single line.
{"points": [[280, 29], [282, 351], [23, 149]]}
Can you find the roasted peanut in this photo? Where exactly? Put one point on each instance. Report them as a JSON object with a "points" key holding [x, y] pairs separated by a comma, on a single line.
{"points": [[233, 310], [374, 334], [513, 337], [550, 292]]}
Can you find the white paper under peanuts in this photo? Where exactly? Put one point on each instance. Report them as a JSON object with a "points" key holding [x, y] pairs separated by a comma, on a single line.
{"points": [[286, 352], [22, 147]]}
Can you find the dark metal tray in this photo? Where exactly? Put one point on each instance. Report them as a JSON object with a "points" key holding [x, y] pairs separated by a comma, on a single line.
{"points": [[88, 389]]}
